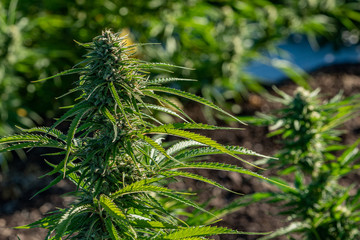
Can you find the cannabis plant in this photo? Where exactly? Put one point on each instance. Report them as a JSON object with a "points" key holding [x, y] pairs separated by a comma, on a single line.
{"points": [[308, 127], [319, 207], [119, 154]]}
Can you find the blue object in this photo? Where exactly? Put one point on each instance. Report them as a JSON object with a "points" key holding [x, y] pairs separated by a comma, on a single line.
{"points": [[305, 57]]}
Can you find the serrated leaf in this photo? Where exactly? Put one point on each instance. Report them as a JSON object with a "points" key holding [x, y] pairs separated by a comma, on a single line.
{"points": [[225, 167], [198, 138], [203, 231], [160, 64], [111, 229], [152, 224], [199, 126], [204, 151], [50, 144], [157, 147], [66, 218], [179, 146], [165, 110], [191, 97], [46, 130], [163, 100], [111, 208], [195, 177], [138, 187], [25, 138], [167, 80]]}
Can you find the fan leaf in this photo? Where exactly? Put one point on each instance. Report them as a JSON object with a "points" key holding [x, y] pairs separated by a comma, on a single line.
{"points": [[191, 97], [111, 229], [203, 231], [197, 137], [226, 167]]}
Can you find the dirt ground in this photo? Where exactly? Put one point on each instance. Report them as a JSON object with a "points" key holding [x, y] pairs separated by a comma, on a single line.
{"points": [[16, 207]]}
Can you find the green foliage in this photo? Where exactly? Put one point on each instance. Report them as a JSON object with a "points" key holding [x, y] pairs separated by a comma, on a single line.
{"points": [[218, 38], [320, 207], [13, 54], [121, 172], [17, 62]]}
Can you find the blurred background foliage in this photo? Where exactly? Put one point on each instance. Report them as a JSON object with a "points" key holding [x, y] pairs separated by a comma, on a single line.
{"points": [[217, 38]]}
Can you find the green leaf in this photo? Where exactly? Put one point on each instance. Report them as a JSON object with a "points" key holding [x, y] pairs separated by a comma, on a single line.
{"points": [[112, 119], [77, 109], [179, 146], [86, 45], [185, 201], [165, 110], [152, 224], [111, 208], [165, 101], [191, 97], [70, 136], [198, 138], [193, 238], [25, 138], [157, 147], [293, 227], [66, 72], [200, 126], [111, 229], [52, 183], [50, 144], [159, 64], [210, 151], [167, 80], [350, 154], [46, 130], [225, 167], [203, 231], [196, 177], [138, 187], [118, 101], [60, 166], [66, 218], [41, 223]]}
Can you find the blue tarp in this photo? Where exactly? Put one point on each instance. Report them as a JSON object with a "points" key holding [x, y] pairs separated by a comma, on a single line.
{"points": [[305, 57]]}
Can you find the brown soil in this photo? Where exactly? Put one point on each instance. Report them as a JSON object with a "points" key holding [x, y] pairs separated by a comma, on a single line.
{"points": [[16, 207]]}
